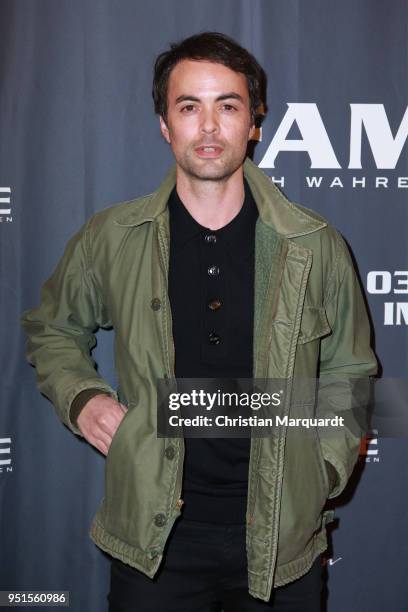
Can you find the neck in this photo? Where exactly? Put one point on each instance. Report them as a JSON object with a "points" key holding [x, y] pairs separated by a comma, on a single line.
{"points": [[212, 204]]}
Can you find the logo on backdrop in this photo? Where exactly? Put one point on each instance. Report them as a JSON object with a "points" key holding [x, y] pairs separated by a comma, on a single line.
{"points": [[5, 205], [369, 447], [5, 455], [395, 283], [386, 149], [330, 561]]}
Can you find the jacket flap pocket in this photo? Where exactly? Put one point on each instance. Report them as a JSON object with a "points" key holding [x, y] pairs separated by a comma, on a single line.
{"points": [[314, 324]]}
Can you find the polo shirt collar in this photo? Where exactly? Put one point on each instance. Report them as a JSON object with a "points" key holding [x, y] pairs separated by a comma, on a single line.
{"points": [[236, 233]]}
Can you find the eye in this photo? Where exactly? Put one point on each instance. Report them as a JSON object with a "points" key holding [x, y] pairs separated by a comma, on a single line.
{"points": [[187, 108], [229, 107]]}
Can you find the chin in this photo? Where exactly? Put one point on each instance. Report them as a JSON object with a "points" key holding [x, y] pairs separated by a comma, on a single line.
{"points": [[210, 174]]}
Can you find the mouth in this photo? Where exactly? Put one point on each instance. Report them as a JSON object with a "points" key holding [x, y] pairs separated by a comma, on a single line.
{"points": [[209, 151]]}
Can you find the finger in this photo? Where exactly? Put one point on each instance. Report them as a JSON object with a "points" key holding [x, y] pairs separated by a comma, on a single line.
{"points": [[104, 449], [104, 439], [101, 446], [107, 424]]}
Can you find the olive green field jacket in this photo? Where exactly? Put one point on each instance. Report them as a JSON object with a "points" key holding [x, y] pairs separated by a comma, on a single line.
{"points": [[310, 319]]}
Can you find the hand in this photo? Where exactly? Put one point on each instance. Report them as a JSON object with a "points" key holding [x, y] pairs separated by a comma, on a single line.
{"points": [[99, 420]]}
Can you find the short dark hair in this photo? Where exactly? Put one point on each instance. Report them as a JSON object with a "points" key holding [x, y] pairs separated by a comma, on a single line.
{"points": [[212, 47]]}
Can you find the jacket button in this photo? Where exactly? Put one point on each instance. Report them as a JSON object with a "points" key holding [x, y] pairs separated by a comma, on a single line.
{"points": [[160, 519], [214, 338], [214, 304], [170, 452], [166, 379], [213, 270], [155, 303]]}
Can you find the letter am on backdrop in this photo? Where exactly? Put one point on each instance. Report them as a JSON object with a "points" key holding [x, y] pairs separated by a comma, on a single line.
{"points": [[315, 141]]}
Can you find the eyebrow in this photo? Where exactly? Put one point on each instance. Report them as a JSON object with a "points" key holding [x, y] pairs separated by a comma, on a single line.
{"points": [[231, 95]]}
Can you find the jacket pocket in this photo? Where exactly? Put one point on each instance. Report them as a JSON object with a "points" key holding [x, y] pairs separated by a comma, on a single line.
{"points": [[313, 327], [322, 463], [120, 478], [314, 324], [305, 491], [119, 429]]}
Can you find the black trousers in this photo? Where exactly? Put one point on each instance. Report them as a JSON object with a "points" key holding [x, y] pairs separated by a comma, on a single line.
{"points": [[205, 570]]}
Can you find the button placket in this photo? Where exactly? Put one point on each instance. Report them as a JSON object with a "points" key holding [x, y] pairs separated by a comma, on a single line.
{"points": [[212, 347]]}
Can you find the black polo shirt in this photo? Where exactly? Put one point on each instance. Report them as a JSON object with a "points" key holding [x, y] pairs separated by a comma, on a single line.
{"points": [[211, 291]]}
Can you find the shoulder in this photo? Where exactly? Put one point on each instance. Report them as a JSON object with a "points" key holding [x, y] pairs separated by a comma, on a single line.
{"points": [[120, 211], [332, 258], [327, 238], [102, 234]]}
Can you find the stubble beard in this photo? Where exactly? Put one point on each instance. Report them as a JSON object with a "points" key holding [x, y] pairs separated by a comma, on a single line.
{"points": [[209, 170]]}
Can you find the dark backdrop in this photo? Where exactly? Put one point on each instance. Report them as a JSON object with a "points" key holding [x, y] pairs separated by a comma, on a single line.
{"points": [[78, 133]]}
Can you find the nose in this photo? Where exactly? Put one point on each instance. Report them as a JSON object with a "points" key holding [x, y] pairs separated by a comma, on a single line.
{"points": [[209, 122]]}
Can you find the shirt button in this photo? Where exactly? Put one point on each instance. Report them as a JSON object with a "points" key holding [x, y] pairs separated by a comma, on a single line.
{"points": [[214, 338], [213, 270], [170, 452], [155, 303], [160, 520], [214, 304], [210, 238]]}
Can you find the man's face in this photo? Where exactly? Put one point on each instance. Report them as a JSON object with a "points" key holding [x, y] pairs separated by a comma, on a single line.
{"points": [[208, 119]]}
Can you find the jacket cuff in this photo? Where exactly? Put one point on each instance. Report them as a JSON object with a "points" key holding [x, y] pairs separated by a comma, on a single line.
{"points": [[79, 402]]}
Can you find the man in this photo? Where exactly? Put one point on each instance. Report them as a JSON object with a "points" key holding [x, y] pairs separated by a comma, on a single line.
{"points": [[216, 274]]}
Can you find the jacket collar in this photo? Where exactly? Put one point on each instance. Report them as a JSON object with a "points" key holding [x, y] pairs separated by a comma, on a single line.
{"points": [[275, 210]]}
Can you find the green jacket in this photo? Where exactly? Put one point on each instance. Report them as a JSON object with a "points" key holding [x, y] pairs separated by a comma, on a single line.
{"points": [[310, 318]]}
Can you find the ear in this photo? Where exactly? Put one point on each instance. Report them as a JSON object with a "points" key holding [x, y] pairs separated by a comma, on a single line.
{"points": [[164, 129], [252, 130]]}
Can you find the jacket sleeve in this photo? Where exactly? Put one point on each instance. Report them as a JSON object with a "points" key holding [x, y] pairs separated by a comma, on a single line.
{"points": [[346, 364], [61, 330]]}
